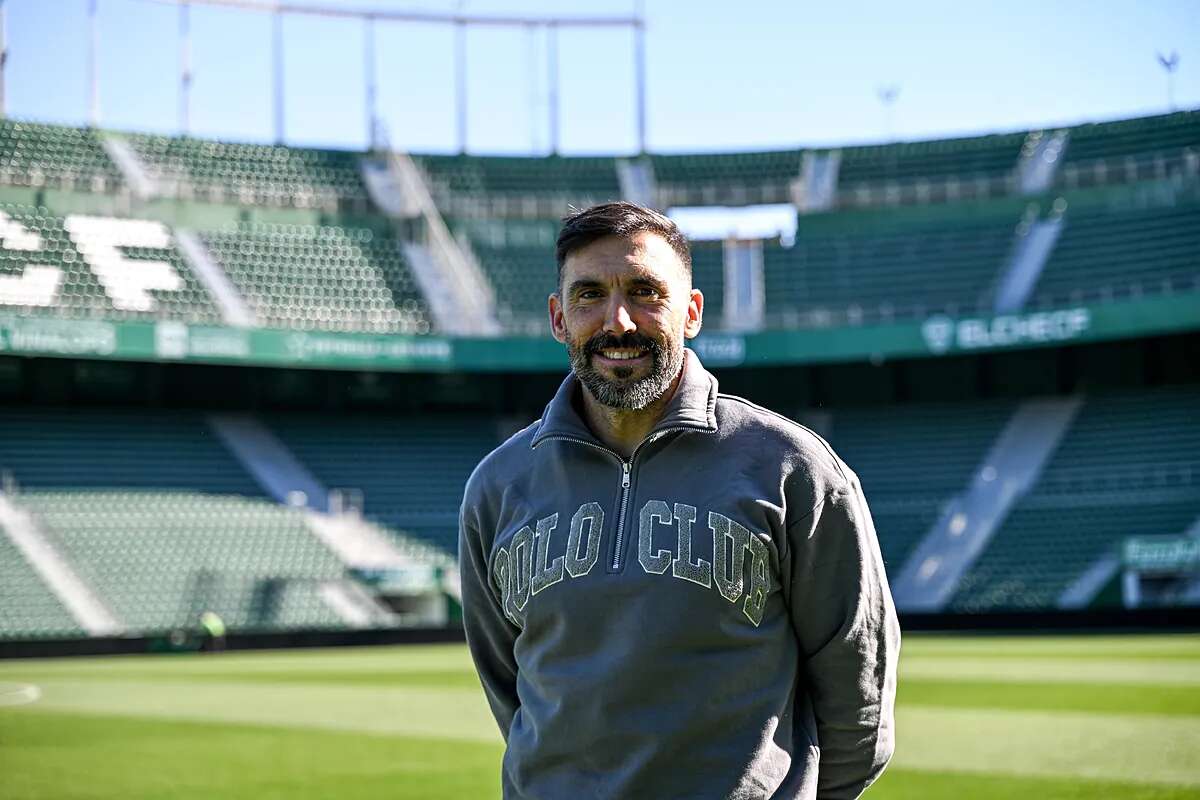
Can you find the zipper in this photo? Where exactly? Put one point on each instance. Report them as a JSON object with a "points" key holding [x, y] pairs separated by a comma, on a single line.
{"points": [[626, 468], [626, 478]]}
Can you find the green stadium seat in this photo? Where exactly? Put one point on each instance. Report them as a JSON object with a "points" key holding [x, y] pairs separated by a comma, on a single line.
{"points": [[942, 444], [328, 278], [80, 294], [1127, 467], [253, 174], [411, 470], [28, 609], [1118, 253], [35, 154], [160, 559], [906, 272]]}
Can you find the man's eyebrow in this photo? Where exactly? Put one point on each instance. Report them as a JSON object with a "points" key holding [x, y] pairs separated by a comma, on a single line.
{"points": [[581, 284], [653, 283]]}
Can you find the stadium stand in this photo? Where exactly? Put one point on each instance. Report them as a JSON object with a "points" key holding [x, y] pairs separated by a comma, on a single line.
{"points": [[161, 558], [253, 174], [1128, 466], [941, 445], [708, 275], [1130, 150], [35, 154], [161, 518], [327, 278], [726, 178], [523, 278], [833, 277], [466, 185], [61, 450], [157, 516], [80, 291], [988, 158], [28, 610], [1115, 253], [411, 470]]}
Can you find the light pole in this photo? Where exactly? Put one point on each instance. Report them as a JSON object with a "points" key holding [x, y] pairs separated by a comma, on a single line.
{"points": [[887, 96], [3, 55], [1170, 63], [185, 69], [93, 78]]}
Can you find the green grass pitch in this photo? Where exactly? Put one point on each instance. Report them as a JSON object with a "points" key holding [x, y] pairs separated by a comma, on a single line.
{"points": [[978, 717]]}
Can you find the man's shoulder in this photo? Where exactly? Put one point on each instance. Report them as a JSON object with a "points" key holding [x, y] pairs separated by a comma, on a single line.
{"points": [[794, 444], [501, 464]]}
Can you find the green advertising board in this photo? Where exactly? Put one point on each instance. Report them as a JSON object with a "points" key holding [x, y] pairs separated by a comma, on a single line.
{"points": [[933, 337], [1162, 554]]}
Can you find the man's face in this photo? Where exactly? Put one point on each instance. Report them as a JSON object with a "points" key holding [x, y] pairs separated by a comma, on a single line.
{"points": [[623, 310]]}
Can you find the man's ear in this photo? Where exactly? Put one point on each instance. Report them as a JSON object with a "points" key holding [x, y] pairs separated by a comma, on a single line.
{"points": [[558, 326], [695, 314]]}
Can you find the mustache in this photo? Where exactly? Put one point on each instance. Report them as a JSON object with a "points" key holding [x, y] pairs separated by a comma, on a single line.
{"points": [[608, 341]]}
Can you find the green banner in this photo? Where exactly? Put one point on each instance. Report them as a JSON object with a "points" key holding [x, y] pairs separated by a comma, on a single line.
{"points": [[1169, 554], [932, 337]]}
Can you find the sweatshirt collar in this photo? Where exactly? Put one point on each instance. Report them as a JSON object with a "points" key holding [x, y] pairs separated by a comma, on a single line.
{"points": [[693, 406]]}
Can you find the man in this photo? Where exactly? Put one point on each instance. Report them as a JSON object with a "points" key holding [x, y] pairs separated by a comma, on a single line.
{"points": [[670, 592]]}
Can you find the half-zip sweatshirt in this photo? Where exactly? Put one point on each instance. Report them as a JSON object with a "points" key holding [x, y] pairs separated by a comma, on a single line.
{"points": [[707, 619]]}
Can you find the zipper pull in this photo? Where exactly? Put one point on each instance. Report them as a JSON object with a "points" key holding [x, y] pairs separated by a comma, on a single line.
{"points": [[625, 467]]}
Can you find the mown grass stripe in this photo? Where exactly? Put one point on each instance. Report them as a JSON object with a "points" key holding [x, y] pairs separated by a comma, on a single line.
{"points": [[909, 784], [1126, 748], [1052, 670], [1114, 698], [56, 756]]}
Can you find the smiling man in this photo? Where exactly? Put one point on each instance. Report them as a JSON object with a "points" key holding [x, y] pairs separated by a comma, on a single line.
{"points": [[670, 592]]}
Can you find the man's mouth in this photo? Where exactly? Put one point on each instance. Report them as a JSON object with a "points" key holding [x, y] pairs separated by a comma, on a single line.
{"points": [[622, 353]]}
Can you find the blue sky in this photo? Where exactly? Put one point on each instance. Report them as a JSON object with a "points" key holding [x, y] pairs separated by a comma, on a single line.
{"points": [[751, 74]]}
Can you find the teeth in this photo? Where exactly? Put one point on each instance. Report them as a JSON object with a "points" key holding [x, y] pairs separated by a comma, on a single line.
{"points": [[621, 355]]}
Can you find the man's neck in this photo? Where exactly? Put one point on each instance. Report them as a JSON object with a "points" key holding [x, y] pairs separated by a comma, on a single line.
{"points": [[624, 429]]}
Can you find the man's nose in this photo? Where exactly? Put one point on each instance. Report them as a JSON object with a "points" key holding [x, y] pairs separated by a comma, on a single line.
{"points": [[617, 320]]}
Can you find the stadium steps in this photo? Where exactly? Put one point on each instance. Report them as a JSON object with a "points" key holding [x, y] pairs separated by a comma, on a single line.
{"points": [[41, 595], [411, 471], [232, 306], [1011, 466], [266, 458], [324, 278], [1129, 466], [1032, 248], [1104, 254], [161, 558], [131, 167], [939, 444]]}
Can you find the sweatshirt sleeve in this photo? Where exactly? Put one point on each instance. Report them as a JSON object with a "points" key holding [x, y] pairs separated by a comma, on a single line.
{"points": [[490, 635], [848, 632]]}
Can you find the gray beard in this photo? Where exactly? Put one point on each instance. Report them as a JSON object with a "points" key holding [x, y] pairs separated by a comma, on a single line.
{"points": [[623, 393]]}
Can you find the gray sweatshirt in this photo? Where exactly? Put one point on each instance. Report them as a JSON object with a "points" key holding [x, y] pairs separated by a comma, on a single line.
{"points": [[709, 619]]}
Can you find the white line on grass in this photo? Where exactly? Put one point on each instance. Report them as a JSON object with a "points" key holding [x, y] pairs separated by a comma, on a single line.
{"points": [[19, 694]]}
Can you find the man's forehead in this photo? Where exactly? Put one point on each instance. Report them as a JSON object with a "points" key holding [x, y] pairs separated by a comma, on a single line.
{"points": [[644, 254]]}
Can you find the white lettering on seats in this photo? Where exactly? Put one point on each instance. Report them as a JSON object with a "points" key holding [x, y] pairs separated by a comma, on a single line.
{"points": [[126, 281], [37, 285]]}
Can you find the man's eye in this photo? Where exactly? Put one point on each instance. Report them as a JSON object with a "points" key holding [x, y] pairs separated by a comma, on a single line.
{"points": [[588, 294], [646, 292]]}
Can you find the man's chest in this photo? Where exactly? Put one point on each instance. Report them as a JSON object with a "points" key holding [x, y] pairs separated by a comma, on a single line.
{"points": [[590, 539]]}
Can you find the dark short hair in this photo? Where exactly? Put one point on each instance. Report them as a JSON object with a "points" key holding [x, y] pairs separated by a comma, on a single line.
{"points": [[618, 219]]}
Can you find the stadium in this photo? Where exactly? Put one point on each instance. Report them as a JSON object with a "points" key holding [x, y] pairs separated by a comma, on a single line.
{"points": [[242, 386]]}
